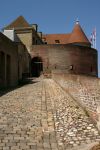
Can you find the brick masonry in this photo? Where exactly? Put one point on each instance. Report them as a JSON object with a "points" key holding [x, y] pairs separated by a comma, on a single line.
{"points": [[61, 57]]}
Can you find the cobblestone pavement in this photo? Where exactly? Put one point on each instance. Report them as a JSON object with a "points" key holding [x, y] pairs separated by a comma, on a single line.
{"points": [[41, 116], [84, 89]]}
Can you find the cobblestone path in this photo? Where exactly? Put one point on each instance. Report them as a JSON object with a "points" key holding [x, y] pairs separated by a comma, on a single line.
{"points": [[41, 116]]}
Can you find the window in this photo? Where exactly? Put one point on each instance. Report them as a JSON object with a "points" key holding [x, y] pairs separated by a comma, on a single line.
{"points": [[71, 67], [57, 41]]}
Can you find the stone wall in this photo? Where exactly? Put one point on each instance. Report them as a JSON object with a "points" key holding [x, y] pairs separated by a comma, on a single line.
{"points": [[85, 90], [26, 38], [72, 58], [8, 62], [23, 61]]}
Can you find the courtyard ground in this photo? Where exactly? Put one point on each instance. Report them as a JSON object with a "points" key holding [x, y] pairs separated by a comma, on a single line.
{"points": [[42, 116]]}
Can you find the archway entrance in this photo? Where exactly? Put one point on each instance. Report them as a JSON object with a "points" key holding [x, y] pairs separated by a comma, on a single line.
{"points": [[36, 66]]}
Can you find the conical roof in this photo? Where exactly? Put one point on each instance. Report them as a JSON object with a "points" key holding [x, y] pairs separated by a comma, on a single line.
{"points": [[18, 23], [78, 36]]}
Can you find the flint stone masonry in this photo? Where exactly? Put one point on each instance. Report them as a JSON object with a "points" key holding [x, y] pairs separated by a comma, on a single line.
{"points": [[42, 116]]}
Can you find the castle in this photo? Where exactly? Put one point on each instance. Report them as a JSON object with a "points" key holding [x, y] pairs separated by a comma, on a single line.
{"points": [[26, 52]]}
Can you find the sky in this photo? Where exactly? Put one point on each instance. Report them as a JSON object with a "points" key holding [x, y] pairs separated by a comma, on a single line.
{"points": [[55, 16]]}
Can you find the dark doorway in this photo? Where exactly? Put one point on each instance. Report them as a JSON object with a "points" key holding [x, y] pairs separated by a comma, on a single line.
{"points": [[8, 70], [2, 69], [36, 66]]}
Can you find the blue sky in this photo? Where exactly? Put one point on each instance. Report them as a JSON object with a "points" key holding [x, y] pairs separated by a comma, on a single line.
{"points": [[54, 16]]}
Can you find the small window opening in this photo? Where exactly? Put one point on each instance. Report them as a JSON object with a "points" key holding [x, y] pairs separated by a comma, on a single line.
{"points": [[71, 67], [57, 41]]}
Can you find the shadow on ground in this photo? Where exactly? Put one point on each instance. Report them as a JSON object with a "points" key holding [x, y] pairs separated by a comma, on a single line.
{"points": [[21, 83]]}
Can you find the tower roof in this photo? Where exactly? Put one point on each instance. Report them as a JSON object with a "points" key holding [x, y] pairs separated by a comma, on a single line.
{"points": [[78, 35], [18, 23]]}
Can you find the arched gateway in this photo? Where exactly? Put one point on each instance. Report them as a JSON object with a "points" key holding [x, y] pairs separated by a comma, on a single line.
{"points": [[36, 66]]}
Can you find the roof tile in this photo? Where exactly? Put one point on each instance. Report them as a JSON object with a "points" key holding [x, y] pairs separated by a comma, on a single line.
{"points": [[19, 22], [78, 35]]}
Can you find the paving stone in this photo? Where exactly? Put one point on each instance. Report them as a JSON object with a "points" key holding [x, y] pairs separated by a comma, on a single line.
{"points": [[42, 116]]}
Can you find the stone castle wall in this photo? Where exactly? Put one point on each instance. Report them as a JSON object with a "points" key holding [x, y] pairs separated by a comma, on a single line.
{"points": [[23, 59], [73, 58], [8, 62]]}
